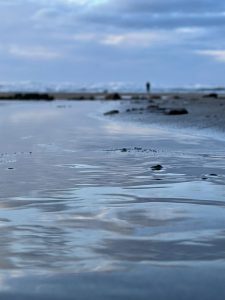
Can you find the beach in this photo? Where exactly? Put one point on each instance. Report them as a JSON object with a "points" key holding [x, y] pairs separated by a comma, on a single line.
{"points": [[204, 110], [112, 198]]}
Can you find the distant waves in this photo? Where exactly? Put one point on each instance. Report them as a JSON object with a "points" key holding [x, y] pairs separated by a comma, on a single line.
{"points": [[30, 86]]}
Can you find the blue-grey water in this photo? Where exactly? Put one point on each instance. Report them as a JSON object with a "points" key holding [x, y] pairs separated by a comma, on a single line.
{"points": [[119, 86], [84, 216]]}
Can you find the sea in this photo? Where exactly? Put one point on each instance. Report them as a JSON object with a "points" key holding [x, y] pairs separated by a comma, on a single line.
{"points": [[31, 86], [92, 207]]}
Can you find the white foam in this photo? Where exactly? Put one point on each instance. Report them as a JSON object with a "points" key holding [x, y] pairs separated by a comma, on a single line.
{"points": [[31, 86]]}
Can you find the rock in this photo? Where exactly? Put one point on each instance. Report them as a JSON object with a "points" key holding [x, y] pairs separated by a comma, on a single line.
{"points": [[114, 96], [33, 96], [124, 150], [157, 168], [212, 95], [176, 111], [213, 175], [28, 96], [111, 112]]}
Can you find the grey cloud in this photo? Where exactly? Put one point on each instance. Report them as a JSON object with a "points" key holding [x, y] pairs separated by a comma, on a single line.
{"points": [[151, 21], [79, 33], [165, 6]]}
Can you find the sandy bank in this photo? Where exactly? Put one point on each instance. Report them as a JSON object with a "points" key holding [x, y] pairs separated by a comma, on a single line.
{"points": [[201, 112]]}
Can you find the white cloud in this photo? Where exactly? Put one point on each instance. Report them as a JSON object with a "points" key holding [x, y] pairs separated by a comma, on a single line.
{"points": [[152, 37], [124, 38], [216, 54], [34, 52], [133, 38]]}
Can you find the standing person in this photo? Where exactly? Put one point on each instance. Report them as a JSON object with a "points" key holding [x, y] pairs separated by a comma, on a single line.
{"points": [[148, 87]]}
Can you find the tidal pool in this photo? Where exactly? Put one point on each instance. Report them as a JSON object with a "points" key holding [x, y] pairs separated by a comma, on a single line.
{"points": [[84, 216]]}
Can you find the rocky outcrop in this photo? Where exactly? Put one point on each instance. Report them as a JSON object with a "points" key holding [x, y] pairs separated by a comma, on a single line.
{"points": [[114, 96]]}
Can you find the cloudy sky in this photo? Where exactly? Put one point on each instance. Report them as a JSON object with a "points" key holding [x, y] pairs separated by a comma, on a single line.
{"points": [[169, 42]]}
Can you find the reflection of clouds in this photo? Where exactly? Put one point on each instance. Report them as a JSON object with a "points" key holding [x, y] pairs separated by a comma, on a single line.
{"points": [[194, 190], [157, 132], [138, 250], [96, 222], [120, 128], [7, 277], [79, 227], [33, 116]]}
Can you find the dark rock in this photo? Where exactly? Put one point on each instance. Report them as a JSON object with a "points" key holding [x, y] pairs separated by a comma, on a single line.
{"points": [[176, 111], [111, 112], [28, 96], [124, 150], [157, 168], [10, 168], [114, 96], [214, 175], [212, 95], [33, 96]]}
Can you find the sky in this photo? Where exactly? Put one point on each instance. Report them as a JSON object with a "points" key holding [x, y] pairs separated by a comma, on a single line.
{"points": [[168, 42]]}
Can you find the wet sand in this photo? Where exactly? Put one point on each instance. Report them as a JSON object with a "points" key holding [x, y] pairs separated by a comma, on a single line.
{"points": [[203, 113], [84, 212]]}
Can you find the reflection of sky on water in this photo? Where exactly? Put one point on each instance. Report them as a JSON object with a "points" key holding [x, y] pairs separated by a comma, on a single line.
{"points": [[73, 202]]}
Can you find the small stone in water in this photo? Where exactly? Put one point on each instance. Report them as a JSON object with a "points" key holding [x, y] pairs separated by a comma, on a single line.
{"points": [[157, 168]]}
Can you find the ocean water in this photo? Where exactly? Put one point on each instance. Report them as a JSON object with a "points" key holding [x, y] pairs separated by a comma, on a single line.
{"points": [[84, 216], [32, 86]]}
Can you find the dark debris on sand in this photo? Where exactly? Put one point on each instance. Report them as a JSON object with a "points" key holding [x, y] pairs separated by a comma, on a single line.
{"points": [[28, 96], [111, 112], [157, 168]]}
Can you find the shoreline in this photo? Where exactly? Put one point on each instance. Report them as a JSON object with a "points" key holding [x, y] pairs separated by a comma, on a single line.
{"points": [[179, 110], [184, 112], [18, 95]]}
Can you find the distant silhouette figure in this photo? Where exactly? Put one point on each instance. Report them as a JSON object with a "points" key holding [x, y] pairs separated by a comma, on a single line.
{"points": [[148, 87]]}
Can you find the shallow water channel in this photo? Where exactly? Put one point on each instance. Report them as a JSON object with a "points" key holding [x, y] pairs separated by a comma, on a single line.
{"points": [[84, 216]]}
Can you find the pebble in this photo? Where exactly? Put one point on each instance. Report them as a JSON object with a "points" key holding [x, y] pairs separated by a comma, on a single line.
{"points": [[176, 111], [157, 168], [111, 112]]}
